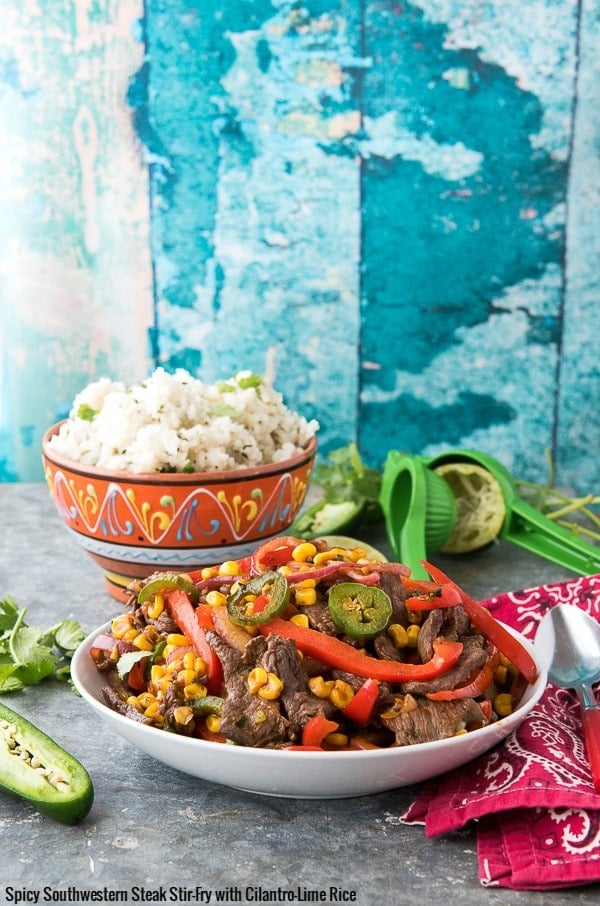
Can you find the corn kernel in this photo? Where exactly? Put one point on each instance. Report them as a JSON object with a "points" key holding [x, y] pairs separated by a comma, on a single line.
{"points": [[209, 572], [503, 704], [145, 699], [320, 687], [164, 684], [229, 568], [304, 597], [189, 660], [256, 678], [272, 689], [398, 635], [199, 666], [303, 552], [176, 639], [183, 715], [185, 677], [194, 690], [403, 704], [356, 554], [157, 606], [337, 740], [142, 642], [413, 635], [300, 619], [325, 556], [157, 673], [120, 625], [153, 710], [216, 598], [213, 723], [501, 674], [306, 583], [461, 732], [130, 634], [341, 694]]}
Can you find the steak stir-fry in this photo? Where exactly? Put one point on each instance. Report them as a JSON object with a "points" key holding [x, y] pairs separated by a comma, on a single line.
{"points": [[303, 645]]}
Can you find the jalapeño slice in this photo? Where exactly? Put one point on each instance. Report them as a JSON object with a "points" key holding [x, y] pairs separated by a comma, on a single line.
{"points": [[167, 582], [259, 600], [360, 611]]}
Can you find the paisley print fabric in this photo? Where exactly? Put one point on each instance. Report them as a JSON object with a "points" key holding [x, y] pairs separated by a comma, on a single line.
{"points": [[532, 797]]}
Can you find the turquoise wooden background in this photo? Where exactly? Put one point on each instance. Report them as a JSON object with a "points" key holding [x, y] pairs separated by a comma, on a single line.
{"points": [[390, 208]]}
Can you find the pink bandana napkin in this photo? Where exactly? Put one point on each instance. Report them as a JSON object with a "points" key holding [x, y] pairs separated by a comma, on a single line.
{"points": [[538, 816]]}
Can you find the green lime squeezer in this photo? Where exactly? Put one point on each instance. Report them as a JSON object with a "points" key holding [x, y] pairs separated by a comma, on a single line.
{"points": [[420, 513]]}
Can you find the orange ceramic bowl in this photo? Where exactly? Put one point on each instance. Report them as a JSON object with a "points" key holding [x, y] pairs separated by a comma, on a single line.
{"points": [[134, 524]]}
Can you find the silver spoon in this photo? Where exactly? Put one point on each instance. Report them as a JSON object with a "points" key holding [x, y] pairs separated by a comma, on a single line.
{"points": [[571, 639]]}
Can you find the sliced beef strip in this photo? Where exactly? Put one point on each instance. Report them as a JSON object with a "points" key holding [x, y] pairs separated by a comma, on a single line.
{"points": [[297, 702], [473, 656], [396, 592], [456, 622], [429, 631], [385, 649], [246, 718], [281, 657], [164, 624], [430, 721], [301, 707], [319, 617]]}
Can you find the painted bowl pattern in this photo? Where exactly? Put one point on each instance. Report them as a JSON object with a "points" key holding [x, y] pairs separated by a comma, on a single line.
{"points": [[133, 524]]}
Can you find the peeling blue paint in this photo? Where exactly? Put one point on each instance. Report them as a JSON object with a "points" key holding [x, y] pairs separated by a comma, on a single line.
{"points": [[366, 200], [439, 251]]}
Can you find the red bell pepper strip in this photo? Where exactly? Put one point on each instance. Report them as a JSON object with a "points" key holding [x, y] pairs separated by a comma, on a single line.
{"points": [[360, 709], [273, 553], [136, 678], [184, 614], [477, 685], [445, 595], [419, 586], [332, 651], [500, 637], [316, 729], [204, 616]]}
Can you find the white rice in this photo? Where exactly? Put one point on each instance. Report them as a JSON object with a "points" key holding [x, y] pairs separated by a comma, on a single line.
{"points": [[177, 423]]}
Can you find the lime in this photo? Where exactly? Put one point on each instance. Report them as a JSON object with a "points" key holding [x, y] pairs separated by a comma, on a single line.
{"points": [[480, 508], [372, 553], [323, 518]]}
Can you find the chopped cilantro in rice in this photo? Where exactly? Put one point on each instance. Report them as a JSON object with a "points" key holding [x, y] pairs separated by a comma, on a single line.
{"points": [[177, 423]]}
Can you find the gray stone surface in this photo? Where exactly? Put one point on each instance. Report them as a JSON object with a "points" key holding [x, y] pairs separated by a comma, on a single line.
{"points": [[152, 826]]}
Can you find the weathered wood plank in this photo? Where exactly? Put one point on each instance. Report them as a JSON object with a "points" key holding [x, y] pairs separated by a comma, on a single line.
{"points": [[256, 210], [75, 270], [578, 420], [464, 229]]}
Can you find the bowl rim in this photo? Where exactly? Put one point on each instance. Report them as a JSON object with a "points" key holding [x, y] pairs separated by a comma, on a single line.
{"points": [[225, 476]]}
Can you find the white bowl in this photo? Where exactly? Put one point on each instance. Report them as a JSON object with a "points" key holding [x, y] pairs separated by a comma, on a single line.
{"points": [[296, 774]]}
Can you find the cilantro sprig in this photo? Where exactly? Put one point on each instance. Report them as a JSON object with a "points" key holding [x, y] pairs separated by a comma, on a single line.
{"points": [[30, 654], [350, 495], [343, 476]]}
